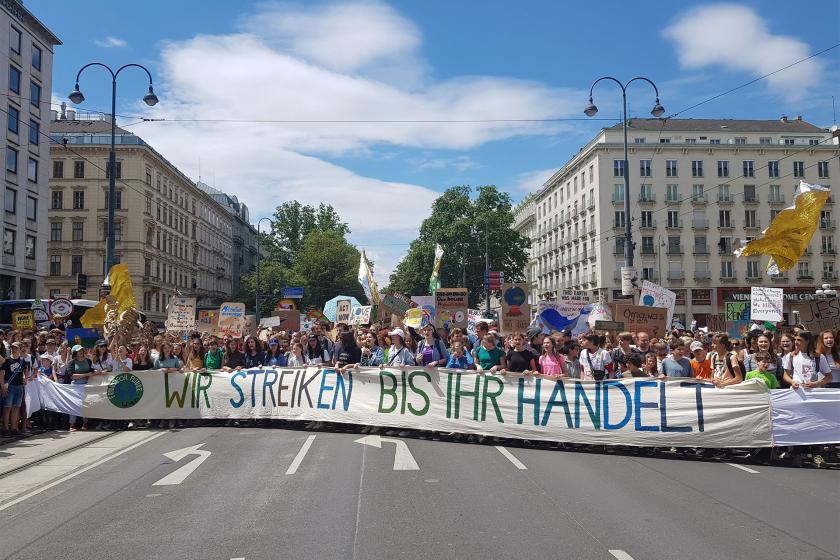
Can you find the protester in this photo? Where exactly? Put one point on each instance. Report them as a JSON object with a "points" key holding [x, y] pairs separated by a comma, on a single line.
{"points": [[459, 358], [701, 365], [214, 357], [520, 358], [296, 359], [398, 354], [633, 362], [726, 368], [488, 356], [13, 372], [550, 361], [195, 355], [167, 361], [804, 367], [624, 349], [349, 354], [275, 357], [123, 362], [253, 355], [643, 342], [677, 365], [431, 351], [785, 345], [233, 359], [79, 369], [142, 359], [372, 353], [315, 351], [827, 346], [763, 359], [103, 362], [650, 365], [595, 361]]}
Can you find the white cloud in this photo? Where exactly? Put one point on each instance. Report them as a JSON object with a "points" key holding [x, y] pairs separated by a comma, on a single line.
{"points": [[457, 163], [280, 74], [110, 42], [531, 181], [737, 38]]}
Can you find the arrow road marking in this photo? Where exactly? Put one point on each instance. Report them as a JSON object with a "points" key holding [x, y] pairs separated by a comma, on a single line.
{"points": [[510, 457], [300, 455], [621, 555], [178, 476], [403, 459]]}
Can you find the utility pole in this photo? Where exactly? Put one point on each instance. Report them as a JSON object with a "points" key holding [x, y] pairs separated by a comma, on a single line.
{"points": [[486, 270]]}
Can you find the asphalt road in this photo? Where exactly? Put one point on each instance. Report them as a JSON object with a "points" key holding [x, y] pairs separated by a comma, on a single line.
{"points": [[272, 493]]}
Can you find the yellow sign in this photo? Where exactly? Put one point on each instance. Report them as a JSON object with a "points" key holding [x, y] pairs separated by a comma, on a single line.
{"points": [[23, 320]]}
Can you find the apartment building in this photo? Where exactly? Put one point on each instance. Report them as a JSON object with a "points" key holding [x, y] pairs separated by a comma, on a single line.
{"points": [[699, 188], [28, 52], [175, 238], [524, 222]]}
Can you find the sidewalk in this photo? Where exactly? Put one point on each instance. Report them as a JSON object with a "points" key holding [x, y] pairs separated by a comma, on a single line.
{"points": [[25, 451]]}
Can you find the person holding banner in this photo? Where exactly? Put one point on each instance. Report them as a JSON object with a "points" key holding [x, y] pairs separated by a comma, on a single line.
{"points": [[296, 357], [551, 362], [804, 367], [726, 368], [315, 351], [488, 356], [142, 361], [167, 361], [764, 343], [233, 359], [827, 346], [214, 357], [275, 356], [431, 351], [253, 355], [372, 353], [595, 362], [520, 358], [398, 354]]}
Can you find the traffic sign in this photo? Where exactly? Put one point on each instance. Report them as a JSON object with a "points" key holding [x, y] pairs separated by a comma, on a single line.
{"points": [[293, 292], [61, 308]]}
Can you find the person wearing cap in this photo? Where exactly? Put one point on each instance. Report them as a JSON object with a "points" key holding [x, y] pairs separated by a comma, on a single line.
{"points": [[398, 354], [79, 369], [103, 361], [701, 365], [13, 371], [274, 356], [535, 340], [47, 368], [52, 350], [315, 351]]}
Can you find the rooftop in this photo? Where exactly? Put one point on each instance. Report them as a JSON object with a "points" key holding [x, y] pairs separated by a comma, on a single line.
{"points": [[782, 125], [84, 126]]}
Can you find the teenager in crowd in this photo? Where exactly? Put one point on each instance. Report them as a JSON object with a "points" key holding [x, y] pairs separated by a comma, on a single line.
{"points": [[431, 351], [650, 365], [195, 355], [372, 354], [827, 346], [488, 356], [459, 358], [275, 356], [762, 360], [520, 358], [167, 361], [315, 351], [350, 354], [233, 360], [595, 362], [123, 362], [215, 356], [142, 359], [726, 369], [79, 369], [624, 349], [785, 345], [103, 362], [296, 357], [677, 365], [763, 342], [551, 361], [701, 365], [398, 353], [253, 355], [804, 367], [13, 372]]}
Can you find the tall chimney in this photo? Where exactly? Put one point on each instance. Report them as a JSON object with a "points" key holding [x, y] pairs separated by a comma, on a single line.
{"points": [[63, 110], [71, 114]]}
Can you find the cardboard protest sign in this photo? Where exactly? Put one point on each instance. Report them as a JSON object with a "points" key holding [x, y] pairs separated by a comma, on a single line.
{"points": [[716, 322], [306, 323], [181, 315], [360, 315], [654, 295], [737, 329], [473, 316], [565, 312], [515, 315], [231, 319], [451, 307], [397, 304], [641, 318], [250, 325], [615, 326], [820, 315], [23, 319], [343, 307], [737, 311], [766, 303], [417, 317], [426, 303], [270, 322], [85, 337], [289, 319], [208, 321]]}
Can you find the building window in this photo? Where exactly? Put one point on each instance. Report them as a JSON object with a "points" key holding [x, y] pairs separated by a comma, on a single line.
{"points": [[78, 200], [691, 140], [827, 244], [55, 231], [117, 231], [76, 264], [764, 140], [723, 168], [644, 168], [14, 39], [13, 120], [672, 193], [724, 219], [646, 193], [149, 178], [619, 219], [117, 200], [773, 214], [29, 247], [36, 57], [750, 220], [714, 140], [752, 269], [698, 193], [618, 168], [825, 219], [726, 269], [11, 160], [799, 169], [772, 168], [78, 169], [31, 208], [822, 169], [639, 140], [789, 141], [14, 79], [740, 140], [32, 170], [802, 270], [108, 169], [664, 140], [78, 231], [723, 193], [57, 200], [35, 94], [774, 193], [696, 168], [750, 194], [9, 241], [10, 201], [34, 132], [748, 169], [673, 219], [647, 219], [55, 265], [671, 168]]}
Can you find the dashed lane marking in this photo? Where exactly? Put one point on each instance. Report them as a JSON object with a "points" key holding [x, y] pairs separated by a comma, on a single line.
{"points": [[300, 455], [509, 456]]}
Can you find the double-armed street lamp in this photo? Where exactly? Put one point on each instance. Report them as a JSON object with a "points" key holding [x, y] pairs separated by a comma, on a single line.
{"points": [[259, 258], [77, 98], [657, 111]]}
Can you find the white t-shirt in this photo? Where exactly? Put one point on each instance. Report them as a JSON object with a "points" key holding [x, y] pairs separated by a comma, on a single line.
{"points": [[804, 367], [600, 360], [835, 369]]}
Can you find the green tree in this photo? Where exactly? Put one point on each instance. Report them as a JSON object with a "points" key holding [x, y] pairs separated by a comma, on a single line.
{"points": [[293, 221], [462, 225], [327, 266]]}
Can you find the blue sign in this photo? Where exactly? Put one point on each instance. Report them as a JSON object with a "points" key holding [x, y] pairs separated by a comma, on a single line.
{"points": [[293, 292]]}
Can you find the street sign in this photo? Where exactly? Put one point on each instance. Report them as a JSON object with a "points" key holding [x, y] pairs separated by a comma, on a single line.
{"points": [[293, 292], [494, 279], [61, 308]]}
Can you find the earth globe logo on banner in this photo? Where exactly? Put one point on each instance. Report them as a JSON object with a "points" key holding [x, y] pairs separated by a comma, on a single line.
{"points": [[514, 297], [125, 390], [648, 300]]}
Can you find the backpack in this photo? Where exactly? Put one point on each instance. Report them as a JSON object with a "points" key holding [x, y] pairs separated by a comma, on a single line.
{"points": [[728, 362]]}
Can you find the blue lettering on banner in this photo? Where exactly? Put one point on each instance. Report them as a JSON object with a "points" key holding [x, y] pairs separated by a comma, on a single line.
{"points": [[698, 400], [594, 413], [346, 391], [523, 401], [663, 414], [269, 385], [241, 401], [628, 408], [638, 386], [325, 388]]}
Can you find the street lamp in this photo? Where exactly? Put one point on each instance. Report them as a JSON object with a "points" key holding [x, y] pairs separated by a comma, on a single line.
{"points": [[259, 257], [657, 111], [77, 97], [826, 291]]}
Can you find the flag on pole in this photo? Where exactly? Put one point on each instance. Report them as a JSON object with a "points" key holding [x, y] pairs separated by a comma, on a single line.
{"points": [[367, 281], [790, 232], [121, 290], [434, 281]]}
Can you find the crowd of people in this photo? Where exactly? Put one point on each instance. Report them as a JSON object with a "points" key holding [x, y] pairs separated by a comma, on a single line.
{"points": [[795, 359]]}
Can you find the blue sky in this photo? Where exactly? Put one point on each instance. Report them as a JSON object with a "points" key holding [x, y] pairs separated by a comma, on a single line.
{"points": [[436, 60]]}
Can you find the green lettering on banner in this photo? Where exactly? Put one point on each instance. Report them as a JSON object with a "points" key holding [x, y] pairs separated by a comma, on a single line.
{"points": [[392, 391], [492, 397], [427, 403], [594, 413], [175, 396], [559, 389], [202, 388], [474, 394]]}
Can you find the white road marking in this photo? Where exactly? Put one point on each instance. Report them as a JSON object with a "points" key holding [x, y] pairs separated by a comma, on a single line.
{"points": [[80, 471], [743, 468], [403, 459], [621, 555], [516, 462], [238, 558], [178, 476], [300, 455]]}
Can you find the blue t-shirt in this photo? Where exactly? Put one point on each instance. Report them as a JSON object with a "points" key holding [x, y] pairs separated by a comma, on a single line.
{"points": [[459, 362], [677, 368], [279, 360]]}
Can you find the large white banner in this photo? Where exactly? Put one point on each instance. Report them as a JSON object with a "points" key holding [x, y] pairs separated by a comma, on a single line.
{"points": [[639, 412], [805, 417]]}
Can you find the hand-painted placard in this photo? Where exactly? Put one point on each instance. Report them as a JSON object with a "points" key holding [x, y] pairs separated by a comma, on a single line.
{"points": [[515, 315], [451, 307], [360, 315], [654, 295], [232, 319], [766, 304], [641, 318], [737, 311], [343, 308], [181, 314]]}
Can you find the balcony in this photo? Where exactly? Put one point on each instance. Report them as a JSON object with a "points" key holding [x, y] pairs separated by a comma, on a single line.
{"points": [[783, 277], [674, 224], [828, 251], [725, 251], [676, 275], [699, 200], [152, 281], [724, 199], [648, 250], [827, 224], [700, 250], [675, 250], [804, 275], [649, 224], [647, 199], [751, 200], [829, 275], [672, 201], [700, 223], [618, 199], [725, 225], [702, 275], [754, 225], [776, 200], [728, 279]]}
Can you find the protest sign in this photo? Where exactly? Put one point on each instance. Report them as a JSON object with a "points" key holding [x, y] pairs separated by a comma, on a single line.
{"points": [[397, 304], [473, 316], [181, 315], [451, 307], [270, 322], [85, 337], [60, 308], [208, 321], [231, 319], [766, 303], [640, 318], [637, 412], [819, 315], [654, 295], [360, 315], [515, 315], [306, 323], [250, 325], [289, 319], [23, 319], [416, 317], [565, 312], [716, 322], [614, 326], [316, 315], [737, 329], [737, 311], [426, 303], [343, 307]]}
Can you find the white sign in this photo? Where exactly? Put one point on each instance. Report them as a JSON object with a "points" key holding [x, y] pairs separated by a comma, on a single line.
{"points": [[627, 275], [654, 295], [360, 315], [181, 315], [61, 308], [766, 304], [343, 309], [270, 322]]}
